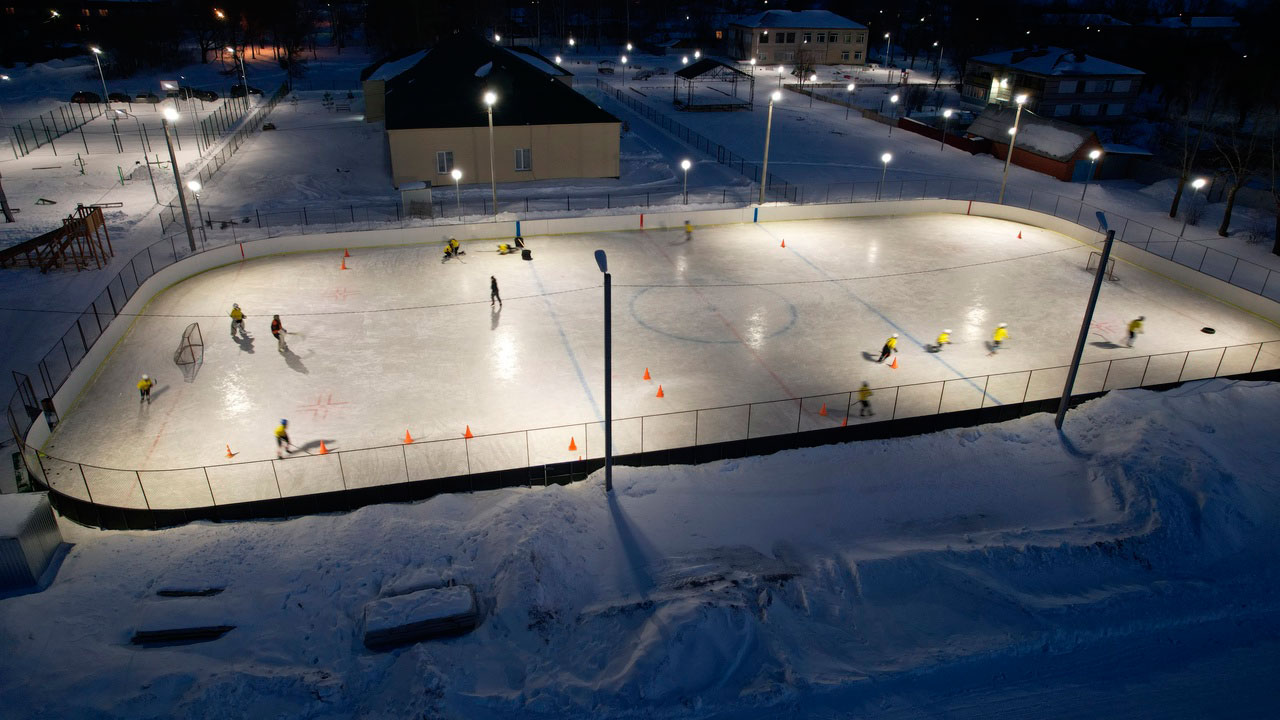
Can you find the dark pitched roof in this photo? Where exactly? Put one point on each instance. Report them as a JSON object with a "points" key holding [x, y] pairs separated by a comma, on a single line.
{"points": [[445, 90], [705, 65]]}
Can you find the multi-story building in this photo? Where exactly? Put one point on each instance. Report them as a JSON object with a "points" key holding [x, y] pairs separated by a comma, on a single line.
{"points": [[814, 37], [1058, 83]]}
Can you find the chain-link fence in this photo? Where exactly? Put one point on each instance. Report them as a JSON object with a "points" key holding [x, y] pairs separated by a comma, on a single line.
{"points": [[47, 127]]}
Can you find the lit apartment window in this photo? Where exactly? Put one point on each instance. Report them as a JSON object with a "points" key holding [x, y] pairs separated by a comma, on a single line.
{"points": [[719, 34], [102, 12], [444, 162], [84, 12], [9, 11], [524, 158]]}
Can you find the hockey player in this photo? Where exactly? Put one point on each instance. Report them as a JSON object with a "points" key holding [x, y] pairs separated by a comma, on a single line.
{"points": [[1135, 327], [1000, 335], [278, 332], [282, 439], [237, 320], [144, 389], [688, 231], [944, 338], [890, 346], [864, 399], [493, 291]]}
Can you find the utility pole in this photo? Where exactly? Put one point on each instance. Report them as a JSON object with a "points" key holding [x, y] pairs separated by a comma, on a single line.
{"points": [[1085, 323]]}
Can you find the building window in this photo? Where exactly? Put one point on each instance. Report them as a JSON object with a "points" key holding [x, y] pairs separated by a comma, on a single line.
{"points": [[862, 37], [791, 37], [808, 37], [822, 37], [8, 11], [719, 34], [444, 162], [764, 38], [102, 12], [1088, 109], [1067, 86], [1115, 108], [857, 55], [1062, 110], [1095, 86], [84, 12], [524, 158], [764, 57], [1120, 86]]}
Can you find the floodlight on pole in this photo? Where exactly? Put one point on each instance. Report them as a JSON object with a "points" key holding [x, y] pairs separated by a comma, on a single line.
{"points": [[1093, 162], [946, 118], [887, 45], [244, 79], [684, 59], [893, 112], [628, 47], [697, 54], [489, 99], [602, 261], [558, 60], [782, 70], [1195, 190], [194, 186], [768, 129], [219, 14], [106, 98], [813, 78], [848, 89], [885, 158], [457, 190], [497, 38], [685, 165], [624, 69], [171, 116], [1013, 137], [752, 62]]}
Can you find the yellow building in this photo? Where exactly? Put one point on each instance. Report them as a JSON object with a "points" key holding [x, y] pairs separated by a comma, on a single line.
{"points": [[806, 37], [437, 120]]}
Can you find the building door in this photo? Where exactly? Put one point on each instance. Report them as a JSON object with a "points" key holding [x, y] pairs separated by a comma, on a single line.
{"points": [[1080, 173]]}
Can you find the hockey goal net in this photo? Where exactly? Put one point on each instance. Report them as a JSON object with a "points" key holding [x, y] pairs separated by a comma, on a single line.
{"points": [[1092, 265], [190, 353]]}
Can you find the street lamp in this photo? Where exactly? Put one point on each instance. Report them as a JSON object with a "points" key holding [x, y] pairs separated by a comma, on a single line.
{"points": [[813, 78], [628, 47], [885, 158], [497, 38], [1013, 137], [144, 146], [848, 89], [684, 59], [457, 191], [946, 118], [938, 77], [781, 71], [685, 165], [893, 112], [171, 116], [558, 60], [1195, 185], [697, 54], [602, 261], [4, 78], [195, 190], [752, 62], [489, 99], [244, 79], [768, 129], [887, 57], [1093, 161], [624, 69]]}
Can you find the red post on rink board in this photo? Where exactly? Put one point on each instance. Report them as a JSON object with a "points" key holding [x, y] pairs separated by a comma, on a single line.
{"points": [[241, 251], [642, 221]]}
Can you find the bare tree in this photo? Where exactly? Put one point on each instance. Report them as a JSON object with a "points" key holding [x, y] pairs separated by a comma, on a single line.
{"points": [[1190, 138], [1236, 149]]}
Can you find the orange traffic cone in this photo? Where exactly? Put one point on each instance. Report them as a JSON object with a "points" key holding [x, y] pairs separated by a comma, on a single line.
{"points": [[468, 434], [344, 264], [646, 374], [1019, 234], [229, 453], [784, 242], [823, 411], [407, 437], [573, 446], [660, 394], [323, 450], [346, 253], [894, 364]]}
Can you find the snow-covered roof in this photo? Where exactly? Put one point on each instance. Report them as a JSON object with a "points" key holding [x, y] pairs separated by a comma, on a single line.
{"points": [[1083, 20], [391, 69], [1119, 149], [1055, 61], [799, 19], [1182, 23], [1040, 135], [537, 60]]}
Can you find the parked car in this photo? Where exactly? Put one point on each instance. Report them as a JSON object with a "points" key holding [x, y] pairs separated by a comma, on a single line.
{"points": [[644, 75], [181, 93], [205, 95], [84, 96], [119, 97], [147, 97], [238, 91]]}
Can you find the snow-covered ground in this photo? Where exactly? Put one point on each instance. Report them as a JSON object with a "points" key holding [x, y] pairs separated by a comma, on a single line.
{"points": [[1125, 568]]}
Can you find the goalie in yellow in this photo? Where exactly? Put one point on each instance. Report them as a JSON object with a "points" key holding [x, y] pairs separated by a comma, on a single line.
{"points": [[1135, 327], [144, 389], [237, 320], [1000, 335]]}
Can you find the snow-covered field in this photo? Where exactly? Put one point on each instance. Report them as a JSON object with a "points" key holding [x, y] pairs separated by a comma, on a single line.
{"points": [[1125, 568]]}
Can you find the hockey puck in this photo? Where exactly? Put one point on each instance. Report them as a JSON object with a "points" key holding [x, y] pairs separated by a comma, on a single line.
{"points": [[1208, 330]]}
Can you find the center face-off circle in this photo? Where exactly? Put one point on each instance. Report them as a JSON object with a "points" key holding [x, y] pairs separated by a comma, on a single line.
{"points": [[714, 315]]}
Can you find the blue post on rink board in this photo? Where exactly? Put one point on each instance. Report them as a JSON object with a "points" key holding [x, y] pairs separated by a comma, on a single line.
{"points": [[517, 228], [755, 215]]}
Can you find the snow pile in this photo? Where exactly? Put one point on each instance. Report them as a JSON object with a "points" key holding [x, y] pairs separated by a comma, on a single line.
{"points": [[947, 571]]}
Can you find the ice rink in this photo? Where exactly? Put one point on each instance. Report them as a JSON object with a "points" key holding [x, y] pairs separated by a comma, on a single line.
{"points": [[403, 342]]}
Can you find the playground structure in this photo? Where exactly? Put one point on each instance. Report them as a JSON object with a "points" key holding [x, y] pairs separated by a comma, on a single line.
{"points": [[78, 242], [712, 85]]}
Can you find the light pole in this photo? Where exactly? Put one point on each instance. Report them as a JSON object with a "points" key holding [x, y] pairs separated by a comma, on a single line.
{"points": [[142, 143], [885, 158], [4, 78], [768, 129], [813, 78], [752, 62], [624, 69], [887, 57], [946, 118], [1086, 323], [195, 190], [457, 190], [848, 89], [781, 71], [171, 116], [603, 262], [1195, 185], [697, 54], [628, 47], [685, 165], [684, 59], [244, 79], [1093, 161], [938, 77], [559, 60], [106, 97], [489, 99], [1013, 137], [893, 112]]}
